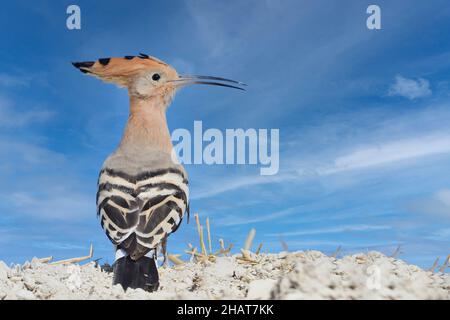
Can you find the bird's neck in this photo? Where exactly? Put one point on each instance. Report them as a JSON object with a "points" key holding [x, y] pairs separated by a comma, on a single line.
{"points": [[146, 129]]}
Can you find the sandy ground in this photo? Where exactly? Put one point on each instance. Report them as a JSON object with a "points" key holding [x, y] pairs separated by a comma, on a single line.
{"points": [[296, 275]]}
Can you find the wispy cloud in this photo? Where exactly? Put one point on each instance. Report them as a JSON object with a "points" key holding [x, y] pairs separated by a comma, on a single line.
{"points": [[436, 205], [237, 182], [440, 235], [12, 117], [18, 155], [261, 217], [7, 80], [59, 245], [410, 88], [390, 152], [23, 79], [62, 204], [41, 183], [370, 156], [339, 229], [362, 142]]}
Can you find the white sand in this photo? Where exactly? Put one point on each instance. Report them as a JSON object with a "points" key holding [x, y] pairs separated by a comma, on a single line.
{"points": [[297, 275]]}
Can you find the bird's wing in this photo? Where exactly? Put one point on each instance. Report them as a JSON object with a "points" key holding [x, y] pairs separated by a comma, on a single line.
{"points": [[138, 212], [164, 198], [117, 205]]}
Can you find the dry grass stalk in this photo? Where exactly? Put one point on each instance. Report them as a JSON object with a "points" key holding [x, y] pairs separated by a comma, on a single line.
{"points": [[202, 242], [445, 264], [249, 240], [197, 221], [246, 257], [75, 260], [396, 252], [192, 253], [200, 234], [284, 245], [175, 259], [433, 267], [259, 249], [222, 248], [45, 260], [203, 256], [246, 253], [199, 257], [335, 254], [208, 229], [223, 251]]}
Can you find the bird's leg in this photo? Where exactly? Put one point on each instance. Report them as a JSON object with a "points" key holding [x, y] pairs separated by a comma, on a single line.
{"points": [[164, 252]]}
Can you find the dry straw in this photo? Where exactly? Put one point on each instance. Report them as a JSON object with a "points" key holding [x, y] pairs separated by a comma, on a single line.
{"points": [[445, 264], [435, 264], [72, 260], [203, 256]]}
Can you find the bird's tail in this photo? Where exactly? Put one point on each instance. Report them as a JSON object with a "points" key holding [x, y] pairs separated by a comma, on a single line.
{"points": [[141, 273]]}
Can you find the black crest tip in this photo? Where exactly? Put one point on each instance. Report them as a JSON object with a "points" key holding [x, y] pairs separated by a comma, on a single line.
{"points": [[83, 65], [104, 61]]}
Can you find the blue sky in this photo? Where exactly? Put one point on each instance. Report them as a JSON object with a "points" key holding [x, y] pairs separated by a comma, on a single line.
{"points": [[363, 118]]}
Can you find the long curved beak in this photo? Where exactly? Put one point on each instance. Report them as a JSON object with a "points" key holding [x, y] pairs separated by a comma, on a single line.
{"points": [[185, 80]]}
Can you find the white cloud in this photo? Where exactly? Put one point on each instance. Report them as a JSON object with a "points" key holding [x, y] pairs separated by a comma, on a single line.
{"points": [[234, 220], [363, 158], [390, 152], [366, 157], [11, 117], [237, 182], [339, 229], [22, 79], [41, 183], [444, 197], [347, 143], [59, 245], [436, 205], [410, 88], [62, 205], [7, 80], [441, 234], [18, 155], [294, 244]]}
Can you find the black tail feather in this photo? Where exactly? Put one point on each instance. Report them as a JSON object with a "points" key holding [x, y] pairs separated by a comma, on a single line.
{"points": [[141, 273], [133, 248]]}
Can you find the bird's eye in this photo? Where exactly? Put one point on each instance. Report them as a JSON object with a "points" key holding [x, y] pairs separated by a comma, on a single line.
{"points": [[156, 77]]}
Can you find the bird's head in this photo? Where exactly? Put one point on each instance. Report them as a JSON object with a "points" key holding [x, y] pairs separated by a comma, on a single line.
{"points": [[147, 77]]}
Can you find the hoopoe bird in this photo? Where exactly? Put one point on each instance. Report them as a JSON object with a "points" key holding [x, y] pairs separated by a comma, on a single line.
{"points": [[143, 191]]}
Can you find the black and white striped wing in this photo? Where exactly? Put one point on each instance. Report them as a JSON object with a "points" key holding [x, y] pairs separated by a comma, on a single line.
{"points": [[117, 205], [139, 212], [164, 198]]}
